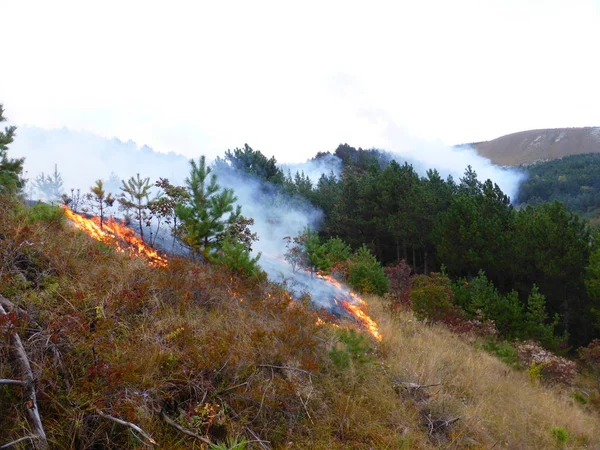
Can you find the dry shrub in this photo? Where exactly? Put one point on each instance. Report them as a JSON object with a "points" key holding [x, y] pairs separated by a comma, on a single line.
{"points": [[555, 369]]}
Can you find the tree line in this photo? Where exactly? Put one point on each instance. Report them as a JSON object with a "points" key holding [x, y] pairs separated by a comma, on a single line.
{"points": [[381, 212], [468, 227]]}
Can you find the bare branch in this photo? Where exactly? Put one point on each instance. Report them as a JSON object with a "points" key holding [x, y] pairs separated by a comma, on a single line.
{"points": [[128, 424], [184, 430], [31, 407], [286, 368], [261, 442], [12, 382], [25, 438], [245, 383]]}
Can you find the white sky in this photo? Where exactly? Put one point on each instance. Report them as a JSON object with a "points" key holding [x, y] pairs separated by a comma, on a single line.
{"points": [[292, 79]]}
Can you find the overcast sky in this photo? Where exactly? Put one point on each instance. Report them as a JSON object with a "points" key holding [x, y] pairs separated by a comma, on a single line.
{"points": [[292, 79]]}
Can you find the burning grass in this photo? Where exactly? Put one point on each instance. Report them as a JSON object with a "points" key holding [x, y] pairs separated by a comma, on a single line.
{"points": [[109, 334]]}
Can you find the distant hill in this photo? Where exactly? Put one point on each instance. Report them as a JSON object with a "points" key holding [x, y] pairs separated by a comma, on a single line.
{"points": [[527, 147]]}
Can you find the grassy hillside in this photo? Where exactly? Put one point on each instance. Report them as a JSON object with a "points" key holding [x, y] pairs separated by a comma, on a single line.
{"points": [[527, 147], [191, 354]]}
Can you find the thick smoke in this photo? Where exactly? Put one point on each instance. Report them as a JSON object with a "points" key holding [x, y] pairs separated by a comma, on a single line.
{"points": [[424, 155], [82, 158]]}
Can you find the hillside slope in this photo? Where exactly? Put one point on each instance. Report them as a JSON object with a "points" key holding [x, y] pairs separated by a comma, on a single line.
{"points": [[190, 354], [527, 147]]}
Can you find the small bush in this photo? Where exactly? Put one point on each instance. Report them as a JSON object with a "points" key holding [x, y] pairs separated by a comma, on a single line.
{"points": [[235, 256], [42, 212], [431, 297], [555, 368], [365, 273], [560, 434], [353, 347], [503, 351]]}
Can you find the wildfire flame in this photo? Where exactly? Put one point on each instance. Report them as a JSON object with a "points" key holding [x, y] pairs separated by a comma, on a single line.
{"points": [[355, 307], [120, 237], [125, 240], [363, 318]]}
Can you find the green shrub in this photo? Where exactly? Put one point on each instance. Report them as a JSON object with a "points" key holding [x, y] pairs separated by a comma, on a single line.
{"points": [[42, 212], [353, 347], [234, 255], [580, 398], [503, 350], [365, 273], [337, 252], [560, 434], [431, 297], [481, 296]]}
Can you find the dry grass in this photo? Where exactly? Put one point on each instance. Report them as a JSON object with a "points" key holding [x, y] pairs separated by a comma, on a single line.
{"points": [[105, 331], [499, 407]]}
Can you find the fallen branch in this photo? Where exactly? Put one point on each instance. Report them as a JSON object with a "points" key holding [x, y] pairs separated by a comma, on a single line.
{"points": [[184, 430], [12, 382], [25, 438], [261, 442], [31, 407], [245, 383], [286, 368], [438, 424], [128, 424], [417, 387]]}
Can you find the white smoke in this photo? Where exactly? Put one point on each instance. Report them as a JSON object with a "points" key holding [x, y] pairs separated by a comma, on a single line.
{"points": [[325, 164], [424, 155], [83, 157]]}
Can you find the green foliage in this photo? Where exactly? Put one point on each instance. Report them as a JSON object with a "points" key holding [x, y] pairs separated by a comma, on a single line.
{"points": [[231, 443], [353, 348], [535, 371], [561, 435], [431, 297], [252, 162], [580, 398], [11, 170], [44, 213], [572, 180], [100, 200], [235, 255], [365, 273], [336, 251], [503, 350], [512, 318], [208, 210], [135, 197], [536, 325]]}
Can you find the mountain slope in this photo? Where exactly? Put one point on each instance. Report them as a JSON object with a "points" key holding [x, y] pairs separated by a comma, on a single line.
{"points": [[527, 147], [190, 347]]}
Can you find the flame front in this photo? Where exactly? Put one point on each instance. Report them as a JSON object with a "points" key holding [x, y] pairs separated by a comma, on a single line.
{"points": [[363, 318], [122, 238], [355, 307]]}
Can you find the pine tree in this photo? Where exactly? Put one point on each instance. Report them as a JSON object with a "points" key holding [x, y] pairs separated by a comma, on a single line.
{"points": [[10, 169], [207, 212], [50, 186], [100, 200], [135, 197]]}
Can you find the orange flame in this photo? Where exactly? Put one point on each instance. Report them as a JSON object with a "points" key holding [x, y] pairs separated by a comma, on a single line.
{"points": [[355, 309], [122, 238], [363, 318]]}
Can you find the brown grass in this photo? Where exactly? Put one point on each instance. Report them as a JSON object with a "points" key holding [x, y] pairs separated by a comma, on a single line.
{"points": [[106, 331], [498, 405]]}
